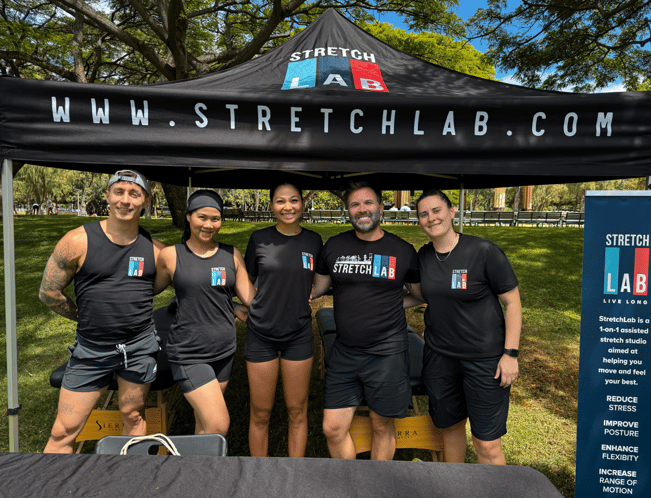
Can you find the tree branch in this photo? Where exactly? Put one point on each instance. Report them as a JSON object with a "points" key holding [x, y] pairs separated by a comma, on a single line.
{"points": [[107, 26]]}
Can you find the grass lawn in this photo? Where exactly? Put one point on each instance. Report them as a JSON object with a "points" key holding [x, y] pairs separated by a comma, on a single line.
{"points": [[542, 419]]}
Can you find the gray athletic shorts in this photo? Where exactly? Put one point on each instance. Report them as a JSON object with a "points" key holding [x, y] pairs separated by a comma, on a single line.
{"points": [[93, 367]]}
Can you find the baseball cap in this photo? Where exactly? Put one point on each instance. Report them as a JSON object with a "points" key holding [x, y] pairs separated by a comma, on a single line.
{"points": [[130, 175]]}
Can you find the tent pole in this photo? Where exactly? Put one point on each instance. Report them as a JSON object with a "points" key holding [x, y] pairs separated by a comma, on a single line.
{"points": [[10, 301], [462, 203]]}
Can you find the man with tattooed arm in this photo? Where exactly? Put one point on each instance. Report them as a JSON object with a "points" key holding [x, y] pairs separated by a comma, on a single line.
{"points": [[113, 264]]}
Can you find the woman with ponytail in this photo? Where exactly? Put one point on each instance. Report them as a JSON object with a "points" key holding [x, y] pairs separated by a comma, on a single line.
{"points": [[201, 345]]}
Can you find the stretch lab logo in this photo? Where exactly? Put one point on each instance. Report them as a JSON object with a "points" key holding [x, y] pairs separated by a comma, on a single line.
{"points": [[375, 265], [308, 261], [136, 267], [616, 282], [218, 276], [459, 279], [334, 71]]}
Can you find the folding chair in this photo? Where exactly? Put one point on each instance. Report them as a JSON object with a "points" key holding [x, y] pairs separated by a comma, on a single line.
{"points": [[196, 444]]}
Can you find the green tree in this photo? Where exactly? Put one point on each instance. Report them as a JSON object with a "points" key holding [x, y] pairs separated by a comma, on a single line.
{"points": [[578, 44], [481, 199], [145, 41], [437, 49], [324, 199], [37, 184], [141, 41]]}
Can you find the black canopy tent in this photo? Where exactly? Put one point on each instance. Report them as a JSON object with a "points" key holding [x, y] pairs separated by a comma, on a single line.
{"points": [[330, 103]]}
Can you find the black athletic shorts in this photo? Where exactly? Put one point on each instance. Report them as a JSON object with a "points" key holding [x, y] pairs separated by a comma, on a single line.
{"points": [[92, 367], [380, 382], [192, 376], [460, 389], [258, 350]]}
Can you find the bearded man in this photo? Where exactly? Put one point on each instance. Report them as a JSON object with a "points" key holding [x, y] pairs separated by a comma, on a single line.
{"points": [[369, 360]]}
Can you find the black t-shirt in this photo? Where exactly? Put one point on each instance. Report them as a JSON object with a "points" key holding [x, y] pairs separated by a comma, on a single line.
{"points": [[284, 266], [115, 288], [464, 318], [204, 327], [367, 284]]}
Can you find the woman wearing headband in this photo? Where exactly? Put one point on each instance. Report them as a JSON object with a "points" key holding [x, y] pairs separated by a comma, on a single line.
{"points": [[201, 343], [279, 335]]}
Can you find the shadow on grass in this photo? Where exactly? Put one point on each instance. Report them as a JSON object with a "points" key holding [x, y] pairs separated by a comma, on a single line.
{"points": [[549, 379], [563, 479]]}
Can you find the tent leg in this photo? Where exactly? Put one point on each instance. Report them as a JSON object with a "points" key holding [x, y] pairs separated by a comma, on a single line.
{"points": [[10, 301], [462, 203]]}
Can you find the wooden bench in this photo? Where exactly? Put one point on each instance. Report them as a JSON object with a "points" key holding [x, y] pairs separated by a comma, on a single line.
{"points": [[574, 219], [402, 216], [232, 213], [491, 218], [389, 216], [539, 218], [326, 216]]}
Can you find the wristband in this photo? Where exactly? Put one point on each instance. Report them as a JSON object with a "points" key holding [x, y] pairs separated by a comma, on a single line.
{"points": [[513, 353]]}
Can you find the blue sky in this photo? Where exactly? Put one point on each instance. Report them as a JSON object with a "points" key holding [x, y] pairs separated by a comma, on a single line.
{"points": [[466, 10]]}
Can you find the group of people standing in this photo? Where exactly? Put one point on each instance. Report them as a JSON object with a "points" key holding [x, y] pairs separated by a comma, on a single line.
{"points": [[471, 347]]}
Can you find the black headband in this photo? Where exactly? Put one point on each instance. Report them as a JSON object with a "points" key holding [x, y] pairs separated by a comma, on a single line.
{"points": [[205, 198]]}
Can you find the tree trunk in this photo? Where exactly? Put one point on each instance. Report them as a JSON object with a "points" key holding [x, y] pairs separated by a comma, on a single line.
{"points": [[516, 200], [582, 201], [307, 199], [339, 194], [177, 201]]}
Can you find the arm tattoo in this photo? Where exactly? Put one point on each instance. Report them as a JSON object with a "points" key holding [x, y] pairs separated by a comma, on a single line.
{"points": [[59, 272], [67, 309]]}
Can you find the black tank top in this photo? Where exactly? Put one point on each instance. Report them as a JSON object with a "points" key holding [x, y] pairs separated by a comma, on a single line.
{"points": [[115, 288], [204, 327]]}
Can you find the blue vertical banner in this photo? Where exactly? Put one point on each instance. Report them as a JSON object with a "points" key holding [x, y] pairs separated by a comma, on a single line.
{"points": [[613, 444]]}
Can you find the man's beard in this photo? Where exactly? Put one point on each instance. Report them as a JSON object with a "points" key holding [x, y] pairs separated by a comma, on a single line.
{"points": [[369, 226]]}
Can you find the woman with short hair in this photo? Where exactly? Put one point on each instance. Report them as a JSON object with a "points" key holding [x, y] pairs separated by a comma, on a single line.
{"points": [[471, 344]]}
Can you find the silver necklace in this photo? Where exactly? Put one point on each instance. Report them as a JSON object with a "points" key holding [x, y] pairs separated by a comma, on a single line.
{"points": [[449, 252]]}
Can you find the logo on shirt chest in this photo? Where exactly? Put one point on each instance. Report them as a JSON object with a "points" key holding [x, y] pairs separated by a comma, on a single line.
{"points": [[308, 261], [375, 265], [136, 266], [459, 279], [218, 277]]}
